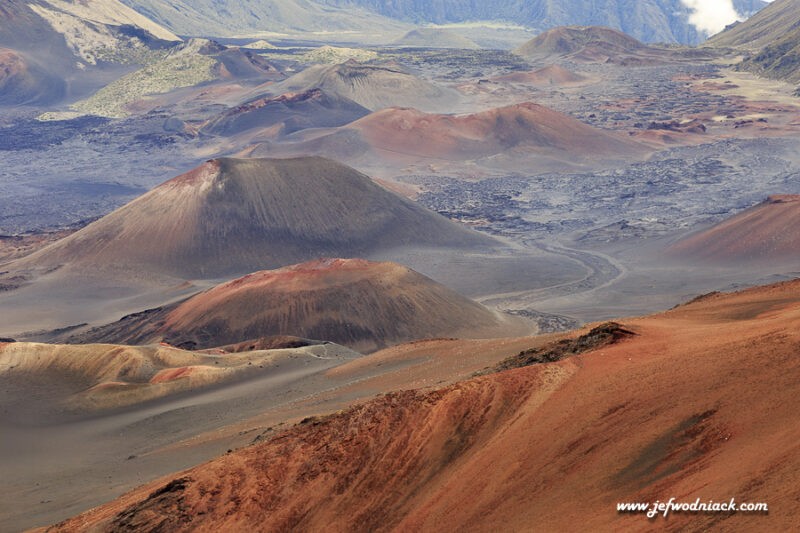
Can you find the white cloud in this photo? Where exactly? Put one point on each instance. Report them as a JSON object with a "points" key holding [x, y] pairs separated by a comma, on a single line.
{"points": [[711, 16]]}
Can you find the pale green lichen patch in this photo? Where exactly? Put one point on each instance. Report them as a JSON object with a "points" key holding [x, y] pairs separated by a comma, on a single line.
{"points": [[173, 72], [334, 54]]}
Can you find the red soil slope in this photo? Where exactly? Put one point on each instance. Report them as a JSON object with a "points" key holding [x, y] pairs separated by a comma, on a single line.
{"points": [[362, 304], [584, 43], [551, 75], [12, 64], [701, 403], [765, 233], [23, 81], [526, 126], [289, 112]]}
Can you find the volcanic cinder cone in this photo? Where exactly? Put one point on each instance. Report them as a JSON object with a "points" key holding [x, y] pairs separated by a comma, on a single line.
{"points": [[361, 304], [235, 216], [766, 233]]}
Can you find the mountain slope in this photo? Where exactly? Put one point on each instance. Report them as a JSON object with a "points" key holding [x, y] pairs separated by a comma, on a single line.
{"points": [[24, 81], [765, 233], [486, 133], [92, 30], [191, 63], [103, 376], [506, 137], [549, 76], [23, 31], [234, 216], [779, 61], [647, 20], [569, 40], [765, 28], [356, 303], [54, 47], [772, 40], [677, 409], [290, 112], [372, 86], [434, 38], [590, 44], [204, 18]]}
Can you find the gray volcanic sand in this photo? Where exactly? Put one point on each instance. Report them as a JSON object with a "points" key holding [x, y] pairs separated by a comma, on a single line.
{"points": [[43, 442], [108, 453], [64, 299], [642, 281], [88, 459], [478, 274]]}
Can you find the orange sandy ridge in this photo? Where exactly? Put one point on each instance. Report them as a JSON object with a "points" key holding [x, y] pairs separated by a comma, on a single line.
{"points": [[700, 403]]}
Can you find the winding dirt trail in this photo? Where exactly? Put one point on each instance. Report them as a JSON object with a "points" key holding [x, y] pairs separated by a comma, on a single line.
{"points": [[601, 272]]}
